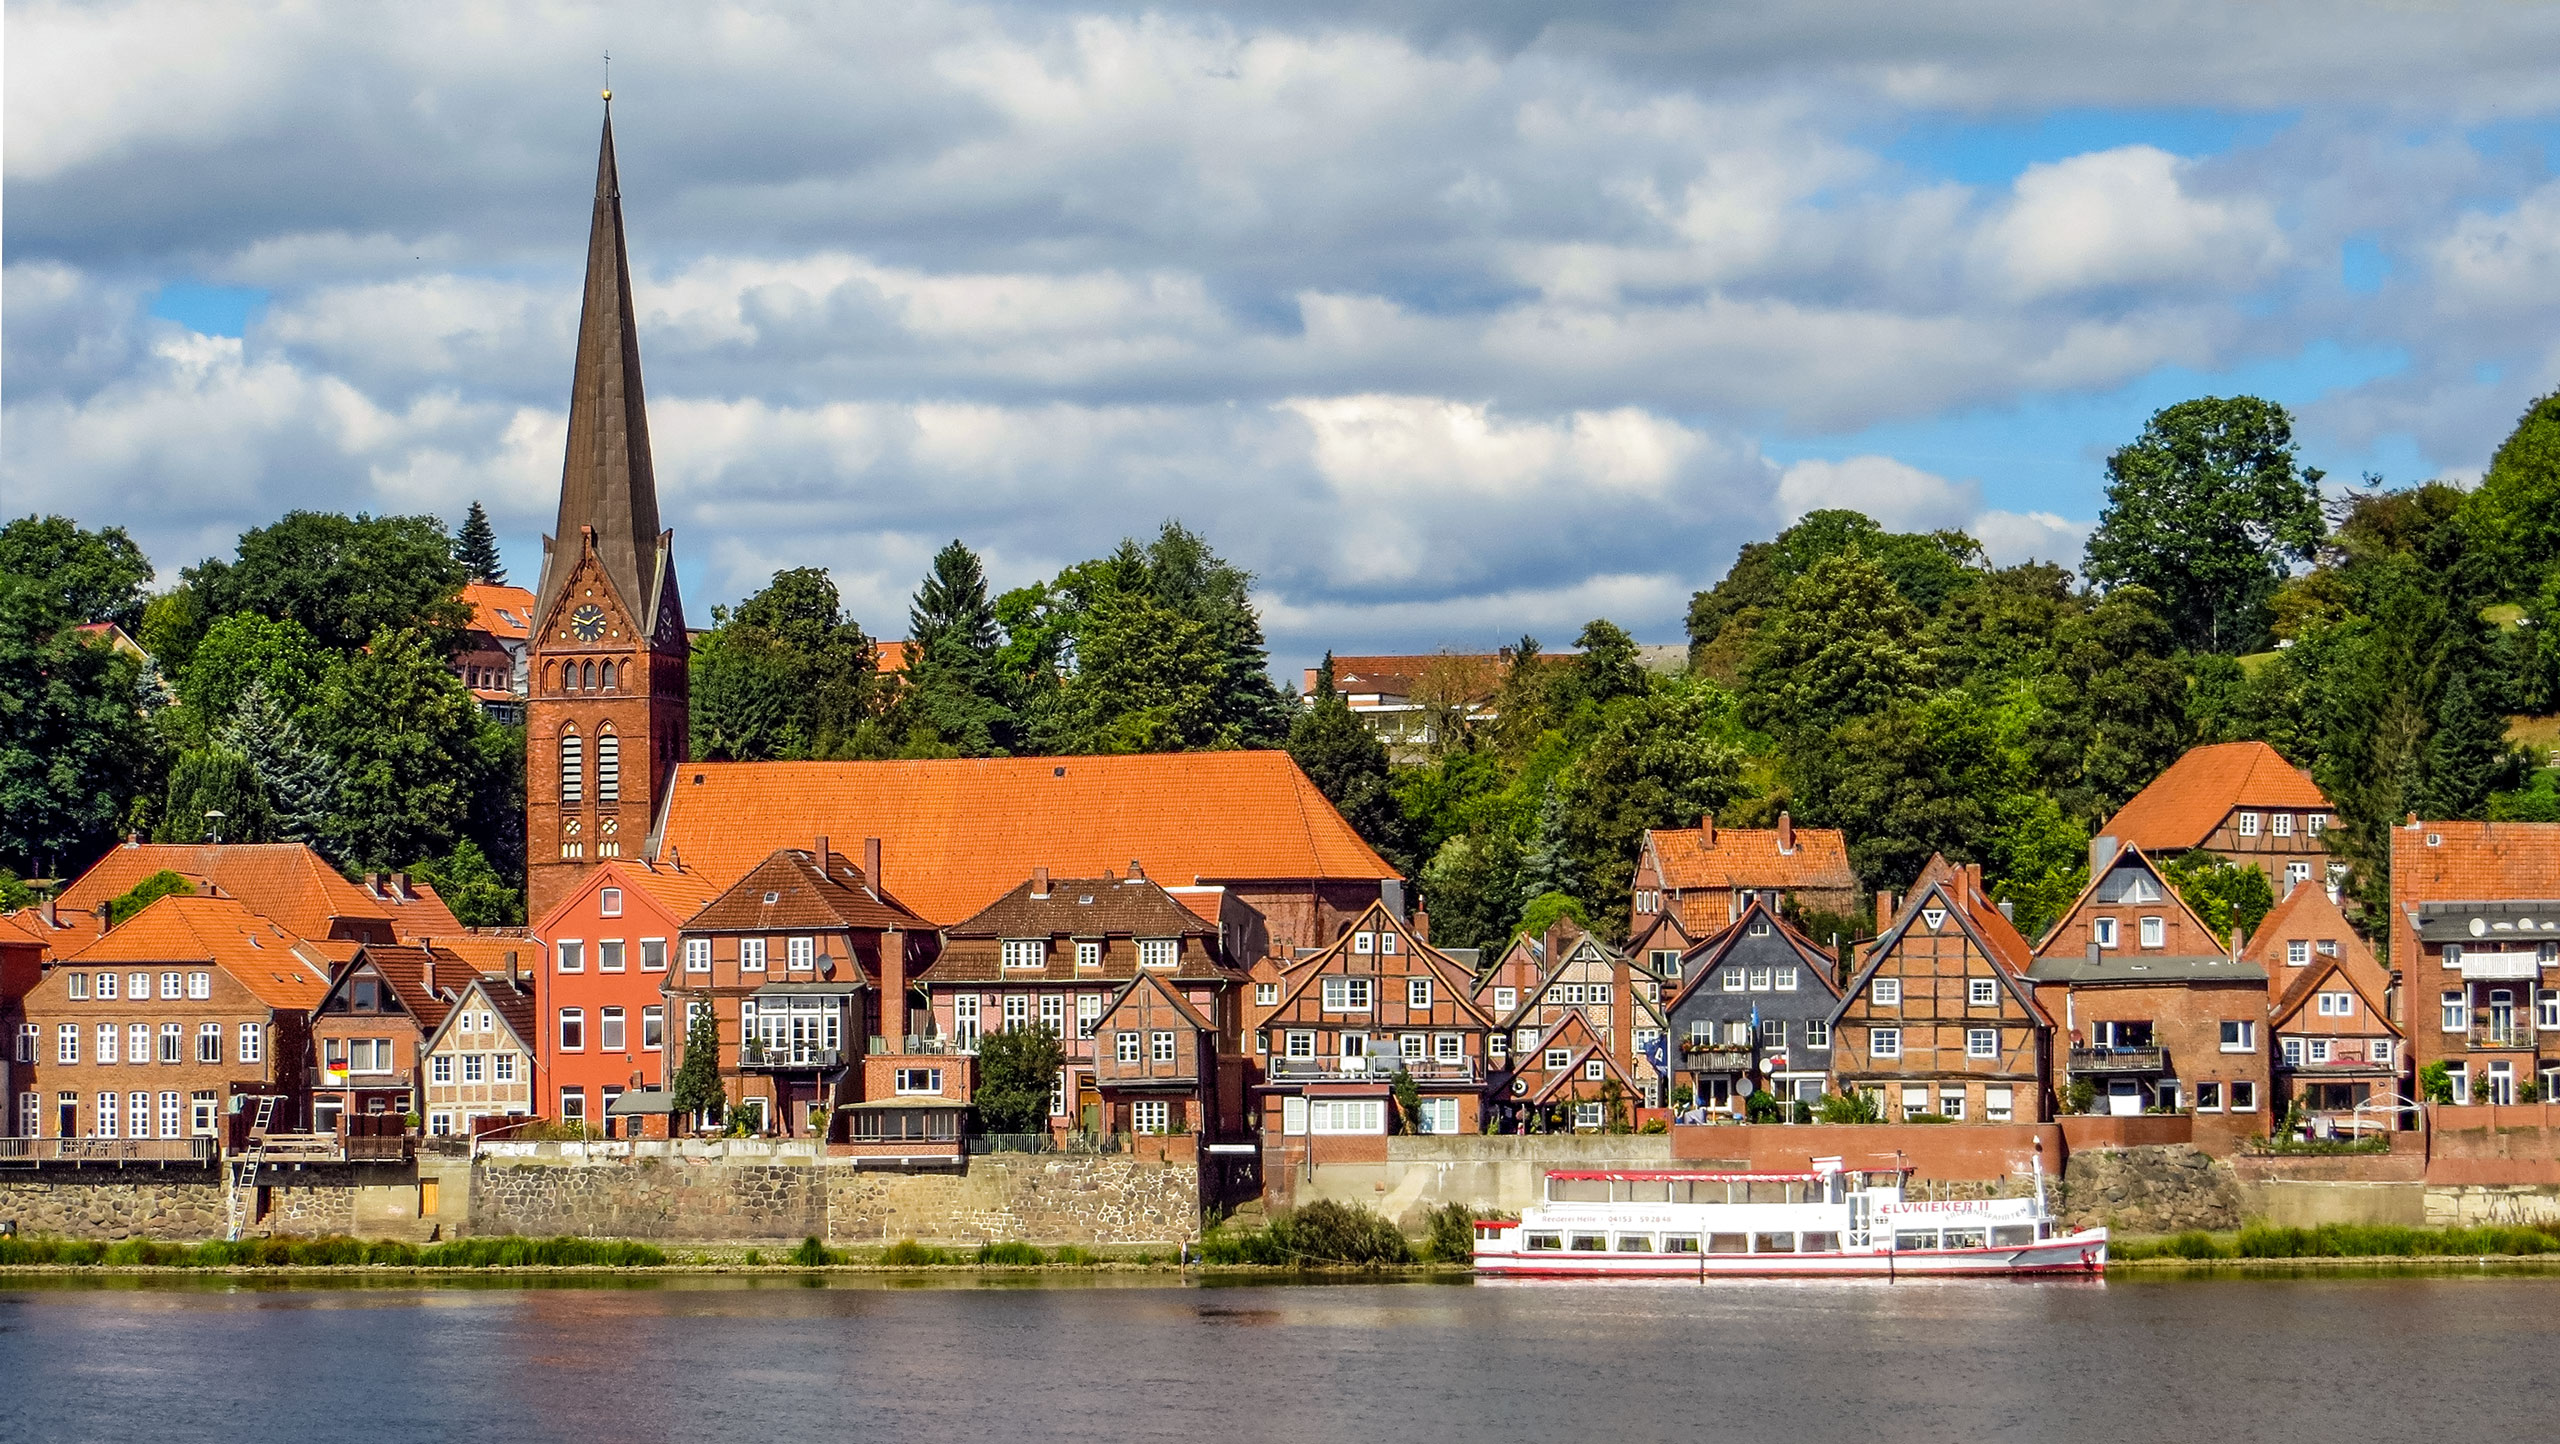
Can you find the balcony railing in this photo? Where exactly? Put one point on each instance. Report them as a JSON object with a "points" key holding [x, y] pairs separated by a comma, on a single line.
{"points": [[769, 1057], [919, 1044], [1717, 1057], [1377, 1067], [2514, 1033], [1048, 1143], [32, 1152], [2119, 1060]]}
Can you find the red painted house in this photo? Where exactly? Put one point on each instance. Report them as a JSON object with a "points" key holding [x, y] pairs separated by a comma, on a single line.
{"points": [[603, 958]]}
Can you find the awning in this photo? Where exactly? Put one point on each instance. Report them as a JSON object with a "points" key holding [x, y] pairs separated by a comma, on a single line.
{"points": [[641, 1100]]}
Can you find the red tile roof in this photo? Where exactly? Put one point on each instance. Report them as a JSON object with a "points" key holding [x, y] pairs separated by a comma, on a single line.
{"points": [[285, 881], [405, 969], [221, 931], [888, 657], [1709, 856], [789, 890], [1091, 907], [2474, 862], [2310, 915], [956, 834], [501, 611], [2182, 806]]}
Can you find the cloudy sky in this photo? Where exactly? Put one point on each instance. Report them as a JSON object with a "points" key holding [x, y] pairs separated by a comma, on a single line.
{"points": [[1449, 320]]}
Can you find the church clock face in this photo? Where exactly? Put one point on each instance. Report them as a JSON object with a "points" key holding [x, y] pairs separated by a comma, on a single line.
{"points": [[587, 623]]}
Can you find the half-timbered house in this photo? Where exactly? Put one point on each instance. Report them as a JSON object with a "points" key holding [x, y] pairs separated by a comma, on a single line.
{"points": [[1940, 1020]]}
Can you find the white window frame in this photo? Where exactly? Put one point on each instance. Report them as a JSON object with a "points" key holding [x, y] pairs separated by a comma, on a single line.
{"points": [[209, 1042], [1982, 992], [1348, 995], [1999, 1103], [2155, 932], [1150, 1116], [568, 1016], [1505, 999], [1024, 954], [2281, 824], [611, 955], [697, 955], [1817, 1033], [569, 955], [2247, 1036], [1159, 953], [1884, 1042], [253, 1043], [653, 955], [1160, 1047], [1885, 992], [200, 985], [609, 902], [1982, 1042], [2454, 1010], [751, 955], [2297, 953], [1266, 995], [2248, 824], [2102, 931], [1417, 993], [1735, 980]]}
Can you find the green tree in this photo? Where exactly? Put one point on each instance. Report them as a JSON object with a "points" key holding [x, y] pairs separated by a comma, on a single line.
{"points": [[1017, 1068], [787, 675], [210, 780], [401, 729], [1163, 653], [1663, 758], [696, 1090], [2115, 703], [1924, 777], [476, 548], [75, 749], [83, 576], [246, 650], [1472, 886], [1347, 762], [298, 783], [475, 892], [1842, 645], [125, 907], [343, 578], [1543, 911], [2515, 513], [2206, 508], [2226, 895], [956, 684]]}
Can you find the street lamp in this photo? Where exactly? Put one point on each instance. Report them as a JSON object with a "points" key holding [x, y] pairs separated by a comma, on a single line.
{"points": [[213, 821]]}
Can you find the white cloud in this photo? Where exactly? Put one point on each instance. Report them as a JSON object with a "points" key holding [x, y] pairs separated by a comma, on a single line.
{"points": [[1905, 498], [2127, 217]]}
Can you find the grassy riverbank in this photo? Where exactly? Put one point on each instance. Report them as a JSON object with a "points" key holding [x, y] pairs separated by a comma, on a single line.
{"points": [[331, 1252], [2340, 1241]]}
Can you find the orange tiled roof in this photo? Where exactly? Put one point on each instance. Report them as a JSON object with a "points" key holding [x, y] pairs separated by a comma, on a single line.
{"points": [[2183, 805], [501, 611], [285, 881], [1747, 857], [957, 834], [219, 930], [2474, 862], [488, 955], [888, 657], [2309, 914], [792, 889]]}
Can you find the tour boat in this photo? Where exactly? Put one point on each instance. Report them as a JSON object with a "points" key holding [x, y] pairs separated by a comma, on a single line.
{"points": [[1827, 1223]]}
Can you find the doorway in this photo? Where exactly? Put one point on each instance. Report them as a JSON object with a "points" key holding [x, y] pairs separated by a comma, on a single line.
{"points": [[2124, 1097]]}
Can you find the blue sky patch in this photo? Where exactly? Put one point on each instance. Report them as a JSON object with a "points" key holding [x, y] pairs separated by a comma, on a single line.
{"points": [[211, 310], [1994, 152]]}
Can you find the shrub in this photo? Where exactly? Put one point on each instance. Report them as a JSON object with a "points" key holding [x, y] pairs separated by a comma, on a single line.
{"points": [[1013, 1253], [1449, 1234], [1074, 1257], [1330, 1232], [907, 1253], [1851, 1107], [813, 1254]]}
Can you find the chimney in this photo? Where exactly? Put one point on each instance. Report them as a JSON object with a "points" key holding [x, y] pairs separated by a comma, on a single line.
{"points": [[871, 866], [893, 989], [1884, 910], [675, 858], [1421, 925], [1622, 1014], [429, 949], [134, 839], [2008, 910], [1391, 892], [1973, 873], [1786, 835], [2235, 942], [1137, 871], [821, 855], [512, 969], [2102, 850], [1707, 830], [400, 887], [373, 884], [52, 916], [1040, 881]]}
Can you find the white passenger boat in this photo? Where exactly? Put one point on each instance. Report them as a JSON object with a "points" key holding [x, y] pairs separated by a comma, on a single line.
{"points": [[1829, 1222]]}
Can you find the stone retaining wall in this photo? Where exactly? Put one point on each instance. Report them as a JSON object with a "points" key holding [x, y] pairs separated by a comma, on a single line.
{"points": [[2166, 1188], [180, 1205]]}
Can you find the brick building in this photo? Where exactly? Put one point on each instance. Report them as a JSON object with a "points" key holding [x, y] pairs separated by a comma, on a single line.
{"points": [[483, 1060], [2158, 1012], [159, 1028], [1704, 875], [605, 950], [1940, 1019], [2241, 801], [1161, 1064], [1618, 1002], [2475, 934], [1753, 1012], [496, 648], [1060, 952], [1568, 1079], [2336, 1046], [369, 1030], [1377, 1001]]}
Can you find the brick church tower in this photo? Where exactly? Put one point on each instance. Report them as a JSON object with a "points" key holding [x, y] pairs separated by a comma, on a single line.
{"points": [[606, 722]]}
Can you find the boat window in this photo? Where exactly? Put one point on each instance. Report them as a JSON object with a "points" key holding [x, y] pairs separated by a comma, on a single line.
{"points": [[1763, 1191], [2009, 1235], [1649, 1190], [1773, 1243], [1545, 1242], [1590, 1243], [1963, 1238], [1822, 1243], [1577, 1190], [1728, 1243], [1679, 1243], [1915, 1239], [1635, 1243]]}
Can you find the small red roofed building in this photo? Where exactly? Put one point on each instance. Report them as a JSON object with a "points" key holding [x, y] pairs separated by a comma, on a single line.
{"points": [[2240, 801], [285, 882], [1515, 975], [2159, 1013], [162, 1027], [2475, 935], [914, 1110], [602, 957], [1354, 1014], [1940, 1019], [491, 659], [482, 1060], [1704, 875], [1569, 1080], [2338, 1051], [1616, 1002], [1410, 701], [1163, 1066], [1057, 952], [803, 961]]}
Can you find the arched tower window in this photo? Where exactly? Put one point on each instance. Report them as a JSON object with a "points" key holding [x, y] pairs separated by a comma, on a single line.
{"points": [[587, 677], [608, 767], [573, 767], [550, 677]]}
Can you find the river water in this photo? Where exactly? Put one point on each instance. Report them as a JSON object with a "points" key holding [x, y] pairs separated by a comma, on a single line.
{"points": [[2388, 1359]]}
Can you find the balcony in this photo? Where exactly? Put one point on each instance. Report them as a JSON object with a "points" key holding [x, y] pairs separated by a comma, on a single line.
{"points": [[1717, 1057], [760, 1057], [107, 1152], [919, 1045], [2502, 1033], [2119, 1060], [1376, 1068]]}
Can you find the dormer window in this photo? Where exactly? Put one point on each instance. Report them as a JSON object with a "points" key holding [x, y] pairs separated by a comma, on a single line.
{"points": [[1158, 952], [1025, 952], [2248, 824], [771, 898], [1089, 953]]}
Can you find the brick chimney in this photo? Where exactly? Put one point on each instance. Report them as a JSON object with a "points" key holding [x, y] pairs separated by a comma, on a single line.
{"points": [[373, 884], [513, 969], [893, 989], [52, 916], [1786, 835], [821, 855], [400, 887], [1040, 881], [429, 949], [1622, 1015], [1422, 925], [1884, 910], [1707, 830], [871, 866], [1137, 870]]}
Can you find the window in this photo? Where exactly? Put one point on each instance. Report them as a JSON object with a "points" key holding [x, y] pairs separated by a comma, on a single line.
{"points": [[1053, 1013], [653, 955], [608, 763], [751, 955], [1887, 992], [1387, 944], [1412, 1046], [1088, 1014], [1346, 995], [2316, 823], [28, 1033], [1783, 980], [1817, 1033], [2546, 1009], [1150, 1115], [2155, 932], [653, 1028], [801, 952], [1126, 1043], [253, 1043], [173, 1043], [1998, 1105], [2297, 953], [573, 1105], [199, 1113], [1759, 980], [1364, 942], [1982, 992], [199, 985], [1417, 992], [1448, 1047], [1161, 1050], [1025, 952], [1773, 1033], [1437, 1115], [1266, 995], [440, 1068], [609, 1029], [474, 1067], [1346, 1115], [66, 1043], [1587, 1115], [1528, 1039], [2244, 1096], [137, 1039], [572, 955], [1158, 952], [964, 1019], [1559, 1059], [920, 1080], [1497, 1046], [1884, 1042], [107, 1035], [573, 1030], [1734, 981], [573, 765], [1594, 1070], [1982, 1042], [172, 987], [1295, 1045], [1936, 918], [609, 902], [2318, 1049], [697, 955], [2102, 931], [503, 1067], [106, 987], [2456, 1010], [609, 956], [106, 1123], [2208, 1097], [2380, 1049], [2292, 1052], [2343, 1005], [2281, 824], [1951, 1103], [75, 986], [2296, 872], [2248, 824], [2239, 1037], [1505, 999]]}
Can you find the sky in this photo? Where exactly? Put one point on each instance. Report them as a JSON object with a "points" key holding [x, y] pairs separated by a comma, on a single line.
{"points": [[1453, 322]]}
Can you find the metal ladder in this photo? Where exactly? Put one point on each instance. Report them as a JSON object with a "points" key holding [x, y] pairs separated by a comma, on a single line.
{"points": [[243, 1179]]}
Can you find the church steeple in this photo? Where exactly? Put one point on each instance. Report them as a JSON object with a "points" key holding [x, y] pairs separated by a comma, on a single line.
{"points": [[607, 482]]}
